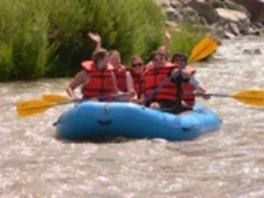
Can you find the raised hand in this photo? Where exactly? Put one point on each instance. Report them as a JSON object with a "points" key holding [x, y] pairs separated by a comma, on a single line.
{"points": [[95, 37]]}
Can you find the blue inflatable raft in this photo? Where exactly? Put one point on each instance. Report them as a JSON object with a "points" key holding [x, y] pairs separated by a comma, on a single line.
{"points": [[98, 119]]}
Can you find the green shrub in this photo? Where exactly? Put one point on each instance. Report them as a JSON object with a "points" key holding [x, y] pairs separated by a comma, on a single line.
{"points": [[24, 27], [186, 39], [130, 26], [5, 61], [6, 30], [66, 19], [30, 45], [49, 38]]}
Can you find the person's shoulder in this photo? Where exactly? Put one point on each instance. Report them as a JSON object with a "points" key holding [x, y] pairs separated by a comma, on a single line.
{"points": [[110, 67], [87, 65], [149, 66]]}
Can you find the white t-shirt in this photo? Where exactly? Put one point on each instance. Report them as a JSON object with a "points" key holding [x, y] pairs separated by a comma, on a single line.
{"points": [[195, 82]]}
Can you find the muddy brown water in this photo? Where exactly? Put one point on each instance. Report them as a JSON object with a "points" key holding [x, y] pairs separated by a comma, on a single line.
{"points": [[228, 163]]}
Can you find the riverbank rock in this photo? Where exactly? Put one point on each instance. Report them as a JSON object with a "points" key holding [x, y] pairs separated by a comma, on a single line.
{"points": [[223, 18], [255, 8]]}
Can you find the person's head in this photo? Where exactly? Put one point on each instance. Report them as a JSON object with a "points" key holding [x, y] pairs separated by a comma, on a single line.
{"points": [[164, 51], [137, 65], [159, 58], [115, 58], [100, 58], [180, 59]]}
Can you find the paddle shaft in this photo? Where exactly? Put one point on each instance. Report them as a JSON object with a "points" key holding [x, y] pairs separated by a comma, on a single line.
{"points": [[155, 91], [249, 97], [29, 105], [231, 96], [105, 97], [163, 83], [86, 99], [214, 94], [68, 101]]}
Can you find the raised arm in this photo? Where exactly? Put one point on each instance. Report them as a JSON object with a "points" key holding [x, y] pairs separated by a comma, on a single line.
{"points": [[95, 38], [130, 86], [167, 38], [198, 87]]}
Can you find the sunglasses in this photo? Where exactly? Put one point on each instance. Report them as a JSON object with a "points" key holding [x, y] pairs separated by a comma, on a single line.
{"points": [[137, 64]]}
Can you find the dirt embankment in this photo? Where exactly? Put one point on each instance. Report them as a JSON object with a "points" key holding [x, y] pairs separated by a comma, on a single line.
{"points": [[223, 18]]}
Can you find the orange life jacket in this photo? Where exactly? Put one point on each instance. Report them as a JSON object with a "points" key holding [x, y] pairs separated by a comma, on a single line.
{"points": [[138, 82], [100, 82], [120, 74], [155, 76]]}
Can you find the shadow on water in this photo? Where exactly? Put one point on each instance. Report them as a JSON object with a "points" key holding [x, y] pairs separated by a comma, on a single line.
{"points": [[97, 140]]}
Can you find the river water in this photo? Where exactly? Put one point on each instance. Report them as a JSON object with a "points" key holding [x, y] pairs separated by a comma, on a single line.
{"points": [[228, 163]]}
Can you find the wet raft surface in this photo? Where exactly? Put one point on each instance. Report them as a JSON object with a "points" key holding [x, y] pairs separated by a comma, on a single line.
{"points": [[94, 120]]}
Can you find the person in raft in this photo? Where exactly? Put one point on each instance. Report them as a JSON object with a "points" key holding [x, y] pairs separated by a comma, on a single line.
{"points": [[170, 85], [187, 85], [137, 73], [159, 91], [123, 76], [162, 50], [182, 60], [96, 78]]}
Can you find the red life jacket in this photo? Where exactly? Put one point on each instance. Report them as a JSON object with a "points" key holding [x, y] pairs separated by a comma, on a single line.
{"points": [[120, 74], [155, 76], [187, 90], [187, 87], [100, 82], [138, 82]]}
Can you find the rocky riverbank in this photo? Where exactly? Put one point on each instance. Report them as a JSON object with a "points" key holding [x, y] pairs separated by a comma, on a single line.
{"points": [[223, 18]]}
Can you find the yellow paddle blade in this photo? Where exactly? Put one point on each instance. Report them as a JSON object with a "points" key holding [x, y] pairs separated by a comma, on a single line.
{"points": [[203, 49], [251, 97], [252, 102], [24, 113], [250, 94], [30, 107], [55, 98]]}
